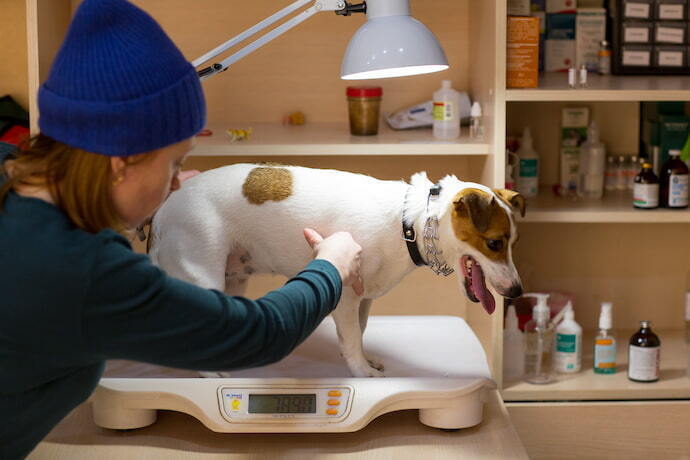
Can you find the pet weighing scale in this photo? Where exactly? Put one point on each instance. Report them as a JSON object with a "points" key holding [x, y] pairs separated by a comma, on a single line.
{"points": [[432, 363]]}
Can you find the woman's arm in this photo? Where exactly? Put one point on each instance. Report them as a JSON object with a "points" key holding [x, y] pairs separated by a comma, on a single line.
{"points": [[133, 310]]}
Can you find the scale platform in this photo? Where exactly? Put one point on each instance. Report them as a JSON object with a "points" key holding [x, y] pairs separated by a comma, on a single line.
{"points": [[432, 363]]}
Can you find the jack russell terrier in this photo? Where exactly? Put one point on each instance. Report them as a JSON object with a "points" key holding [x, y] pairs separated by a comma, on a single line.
{"points": [[228, 223]]}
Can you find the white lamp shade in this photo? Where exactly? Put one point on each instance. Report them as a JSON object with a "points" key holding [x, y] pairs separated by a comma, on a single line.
{"points": [[392, 46]]}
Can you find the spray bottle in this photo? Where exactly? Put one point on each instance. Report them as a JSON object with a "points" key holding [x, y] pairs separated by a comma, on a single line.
{"points": [[513, 348], [605, 343], [539, 342], [528, 169], [568, 343]]}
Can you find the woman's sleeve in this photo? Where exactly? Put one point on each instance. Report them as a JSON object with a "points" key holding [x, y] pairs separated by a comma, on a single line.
{"points": [[133, 310]]}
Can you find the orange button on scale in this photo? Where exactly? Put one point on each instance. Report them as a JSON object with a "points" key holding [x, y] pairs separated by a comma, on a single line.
{"points": [[332, 411], [334, 393], [333, 402]]}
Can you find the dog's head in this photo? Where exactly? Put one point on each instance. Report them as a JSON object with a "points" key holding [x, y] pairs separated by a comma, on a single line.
{"points": [[477, 232]]}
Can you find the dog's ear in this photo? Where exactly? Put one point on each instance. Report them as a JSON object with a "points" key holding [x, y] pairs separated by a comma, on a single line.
{"points": [[512, 199], [476, 204]]}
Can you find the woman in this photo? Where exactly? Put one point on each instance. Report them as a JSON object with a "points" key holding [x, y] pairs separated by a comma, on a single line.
{"points": [[119, 112]]}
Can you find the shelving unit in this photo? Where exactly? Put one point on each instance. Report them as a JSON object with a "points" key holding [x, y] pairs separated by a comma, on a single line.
{"points": [[274, 139], [588, 386], [553, 86], [615, 207]]}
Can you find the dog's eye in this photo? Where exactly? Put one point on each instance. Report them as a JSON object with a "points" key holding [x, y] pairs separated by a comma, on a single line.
{"points": [[494, 245]]}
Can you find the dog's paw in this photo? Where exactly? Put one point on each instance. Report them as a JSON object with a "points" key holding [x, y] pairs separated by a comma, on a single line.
{"points": [[366, 372], [214, 375], [375, 362]]}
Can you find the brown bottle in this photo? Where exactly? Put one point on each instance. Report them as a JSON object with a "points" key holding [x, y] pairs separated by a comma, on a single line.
{"points": [[646, 188], [673, 182], [644, 355]]}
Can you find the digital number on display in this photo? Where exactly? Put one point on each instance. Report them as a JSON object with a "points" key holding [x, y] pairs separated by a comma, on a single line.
{"points": [[282, 404]]}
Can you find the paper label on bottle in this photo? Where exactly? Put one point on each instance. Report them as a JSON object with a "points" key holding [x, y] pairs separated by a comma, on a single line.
{"points": [[444, 111], [605, 355], [678, 190], [567, 353], [637, 10], [644, 363], [636, 35], [636, 58], [671, 11], [646, 195], [670, 35]]}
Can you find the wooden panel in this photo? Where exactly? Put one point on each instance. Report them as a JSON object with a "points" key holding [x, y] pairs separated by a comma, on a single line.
{"points": [[640, 268], [13, 57], [618, 124], [630, 430]]}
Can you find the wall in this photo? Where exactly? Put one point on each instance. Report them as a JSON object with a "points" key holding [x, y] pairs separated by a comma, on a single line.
{"points": [[13, 58]]}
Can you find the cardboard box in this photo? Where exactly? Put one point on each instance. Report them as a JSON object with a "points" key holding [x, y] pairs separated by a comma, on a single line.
{"points": [[670, 32], [638, 32], [559, 55], [636, 56], [522, 52], [590, 30], [637, 9], [671, 10], [519, 7], [670, 56], [574, 123], [561, 6], [560, 26]]}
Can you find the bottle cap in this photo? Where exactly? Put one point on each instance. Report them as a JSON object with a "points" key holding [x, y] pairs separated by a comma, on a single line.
{"points": [[364, 91], [540, 312], [645, 324], [511, 319], [605, 320], [674, 153], [569, 313], [476, 110], [445, 84], [646, 165], [526, 141]]}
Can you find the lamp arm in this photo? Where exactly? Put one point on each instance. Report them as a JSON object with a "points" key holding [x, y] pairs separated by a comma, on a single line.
{"points": [[318, 6]]}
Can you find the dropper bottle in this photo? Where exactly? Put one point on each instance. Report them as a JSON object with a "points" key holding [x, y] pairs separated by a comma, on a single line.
{"points": [[539, 343]]}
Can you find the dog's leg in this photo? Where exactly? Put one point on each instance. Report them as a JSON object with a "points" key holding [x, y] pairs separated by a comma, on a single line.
{"points": [[364, 307], [347, 322]]}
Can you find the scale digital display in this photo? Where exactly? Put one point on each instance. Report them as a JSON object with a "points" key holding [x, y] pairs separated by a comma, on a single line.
{"points": [[282, 404]]}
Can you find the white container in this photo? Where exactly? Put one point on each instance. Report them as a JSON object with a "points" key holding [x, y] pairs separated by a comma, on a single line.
{"points": [[590, 30], [528, 167], [568, 343], [592, 165], [513, 348], [446, 112]]}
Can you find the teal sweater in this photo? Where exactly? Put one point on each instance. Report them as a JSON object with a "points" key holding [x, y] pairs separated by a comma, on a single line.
{"points": [[69, 300]]}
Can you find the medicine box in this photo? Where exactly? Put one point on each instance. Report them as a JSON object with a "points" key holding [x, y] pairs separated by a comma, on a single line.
{"points": [[560, 26], [522, 52], [561, 6], [670, 32], [559, 55], [637, 9], [671, 10], [638, 32], [590, 30], [538, 6], [574, 122], [519, 7]]}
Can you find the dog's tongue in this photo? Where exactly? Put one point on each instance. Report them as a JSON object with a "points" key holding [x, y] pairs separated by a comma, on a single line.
{"points": [[480, 290]]}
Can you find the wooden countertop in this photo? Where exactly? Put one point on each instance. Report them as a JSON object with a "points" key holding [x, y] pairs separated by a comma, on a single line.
{"points": [[397, 435]]}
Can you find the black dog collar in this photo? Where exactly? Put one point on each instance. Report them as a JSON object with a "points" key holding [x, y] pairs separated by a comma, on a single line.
{"points": [[410, 236]]}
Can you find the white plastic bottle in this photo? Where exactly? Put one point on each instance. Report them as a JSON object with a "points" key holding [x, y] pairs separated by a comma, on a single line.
{"points": [[592, 165], [528, 167], [513, 348], [539, 344], [476, 122], [446, 112], [605, 342], [568, 343]]}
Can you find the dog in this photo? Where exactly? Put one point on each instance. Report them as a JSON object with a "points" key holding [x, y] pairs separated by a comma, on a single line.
{"points": [[228, 223]]}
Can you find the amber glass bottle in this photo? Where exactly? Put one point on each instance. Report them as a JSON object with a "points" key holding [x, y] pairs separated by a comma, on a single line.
{"points": [[673, 186], [646, 188], [644, 354]]}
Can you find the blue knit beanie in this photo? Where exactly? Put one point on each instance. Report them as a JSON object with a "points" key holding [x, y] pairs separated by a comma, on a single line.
{"points": [[119, 85]]}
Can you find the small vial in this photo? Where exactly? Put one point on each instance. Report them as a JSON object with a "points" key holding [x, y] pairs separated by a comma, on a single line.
{"points": [[572, 77], [622, 173], [633, 166], [476, 122], [583, 76], [610, 178], [604, 64]]}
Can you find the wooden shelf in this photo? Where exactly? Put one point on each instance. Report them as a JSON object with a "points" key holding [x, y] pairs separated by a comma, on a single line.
{"points": [[331, 139], [586, 385], [553, 86], [615, 207]]}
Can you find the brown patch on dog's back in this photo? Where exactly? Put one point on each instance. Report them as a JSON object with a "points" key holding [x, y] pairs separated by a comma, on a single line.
{"points": [[267, 184], [477, 218]]}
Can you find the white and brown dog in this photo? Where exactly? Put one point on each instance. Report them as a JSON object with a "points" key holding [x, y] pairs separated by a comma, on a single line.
{"points": [[229, 223]]}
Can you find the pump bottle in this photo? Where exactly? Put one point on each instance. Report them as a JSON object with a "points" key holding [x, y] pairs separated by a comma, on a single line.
{"points": [[605, 343], [513, 348], [568, 343], [539, 343]]}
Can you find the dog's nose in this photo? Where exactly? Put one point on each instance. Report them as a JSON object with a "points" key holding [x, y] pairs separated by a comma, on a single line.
{"points": [[514, 291]]}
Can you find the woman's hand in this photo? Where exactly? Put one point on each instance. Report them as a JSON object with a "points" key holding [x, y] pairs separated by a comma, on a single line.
{"points": [[343, 252]]}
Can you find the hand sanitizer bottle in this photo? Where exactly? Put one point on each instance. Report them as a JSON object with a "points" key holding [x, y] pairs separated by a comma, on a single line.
{"points": [[539, 343], [605, 343], [513, 348], [568, 343], [446, 112]]}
